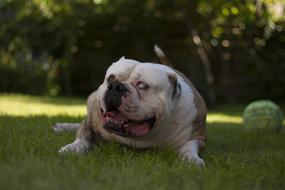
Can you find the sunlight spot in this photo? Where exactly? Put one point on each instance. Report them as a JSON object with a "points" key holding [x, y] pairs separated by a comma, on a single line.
{"points": [[214, 42], [217, 31], [234, 11], [236, 31], [226, 43], [196, 39], [242, 26], [223, 118], [225, 12], [259, 41], [98, 1]]}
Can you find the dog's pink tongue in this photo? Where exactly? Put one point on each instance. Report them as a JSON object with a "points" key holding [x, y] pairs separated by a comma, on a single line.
{"points": [[139, 130]]}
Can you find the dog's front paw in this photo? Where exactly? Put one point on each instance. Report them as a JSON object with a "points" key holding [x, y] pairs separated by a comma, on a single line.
{"points": [[195, 160], [189, 152], [79, 146]]}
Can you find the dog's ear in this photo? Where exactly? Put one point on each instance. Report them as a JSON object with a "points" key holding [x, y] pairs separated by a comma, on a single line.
{"points": [[121, 59], [172, 77]]}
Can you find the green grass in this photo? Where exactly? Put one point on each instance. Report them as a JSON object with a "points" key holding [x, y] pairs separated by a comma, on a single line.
{"points": [[235, 158]]}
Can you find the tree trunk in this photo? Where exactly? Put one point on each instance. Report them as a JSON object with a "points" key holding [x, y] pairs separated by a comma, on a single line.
{"points": [[205, 61]]}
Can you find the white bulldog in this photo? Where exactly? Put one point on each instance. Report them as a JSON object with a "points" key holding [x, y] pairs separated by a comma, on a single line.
{"points": [[143, 105]]}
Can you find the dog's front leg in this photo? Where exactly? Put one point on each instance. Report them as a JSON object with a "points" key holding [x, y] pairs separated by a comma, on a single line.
{"points": [[189, 151], [85, 138]]}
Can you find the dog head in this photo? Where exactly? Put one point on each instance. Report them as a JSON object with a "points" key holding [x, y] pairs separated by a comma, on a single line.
{"points": [[137, 97]]}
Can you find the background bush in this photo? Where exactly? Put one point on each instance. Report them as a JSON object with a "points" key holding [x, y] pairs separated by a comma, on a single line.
{"points": [[234, 51]]}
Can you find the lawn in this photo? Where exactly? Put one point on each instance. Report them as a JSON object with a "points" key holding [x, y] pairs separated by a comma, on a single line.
{"points": [[235, 158]]}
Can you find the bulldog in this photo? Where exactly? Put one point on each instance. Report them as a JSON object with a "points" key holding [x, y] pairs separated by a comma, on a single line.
{"points": [[142, 105]]}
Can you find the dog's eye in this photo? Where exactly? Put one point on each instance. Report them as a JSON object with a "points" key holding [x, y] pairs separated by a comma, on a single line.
{"points": [[111, 78], [142, 86]]}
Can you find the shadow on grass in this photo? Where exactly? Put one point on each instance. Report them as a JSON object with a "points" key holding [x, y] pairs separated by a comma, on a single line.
{"points": [[25, 135], [233, 136], [230, 110]]}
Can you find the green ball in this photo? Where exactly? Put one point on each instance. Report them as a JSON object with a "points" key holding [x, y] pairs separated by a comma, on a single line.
{"points": [[263, 114]]}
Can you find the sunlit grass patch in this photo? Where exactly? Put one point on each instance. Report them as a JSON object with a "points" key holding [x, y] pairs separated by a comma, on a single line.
{"points": [[219, 117], [22, 105]]}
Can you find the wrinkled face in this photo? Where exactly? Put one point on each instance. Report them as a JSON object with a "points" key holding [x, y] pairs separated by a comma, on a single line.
{"points": [[137, 96]]}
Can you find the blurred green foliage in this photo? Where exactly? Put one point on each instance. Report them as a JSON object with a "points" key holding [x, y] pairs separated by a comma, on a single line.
{"points": [[233, 50]]}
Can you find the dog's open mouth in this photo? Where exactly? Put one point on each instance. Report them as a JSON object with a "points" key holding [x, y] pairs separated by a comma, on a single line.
{"points": [[116, 122]]}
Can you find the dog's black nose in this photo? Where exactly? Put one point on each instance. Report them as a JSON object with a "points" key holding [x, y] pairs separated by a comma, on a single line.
{"points": [[117, 87], [114, 93]]}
